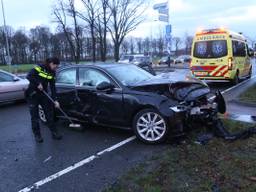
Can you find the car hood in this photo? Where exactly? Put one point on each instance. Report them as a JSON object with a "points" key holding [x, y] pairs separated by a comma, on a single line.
{"points": [[182, 89], [169, 78]]}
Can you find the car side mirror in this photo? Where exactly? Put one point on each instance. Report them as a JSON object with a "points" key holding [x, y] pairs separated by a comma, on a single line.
{"points": [[105, 86], [15, 79]]}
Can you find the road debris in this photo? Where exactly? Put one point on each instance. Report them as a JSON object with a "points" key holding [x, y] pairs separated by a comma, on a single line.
{"points": [[48, 159]]}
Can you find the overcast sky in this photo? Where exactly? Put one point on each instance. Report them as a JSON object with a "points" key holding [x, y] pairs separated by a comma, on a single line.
{"points": [[185, 15]]}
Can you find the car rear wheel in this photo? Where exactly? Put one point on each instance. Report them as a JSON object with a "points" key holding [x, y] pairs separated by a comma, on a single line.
{"points": [[150, 127], [42, 114]]}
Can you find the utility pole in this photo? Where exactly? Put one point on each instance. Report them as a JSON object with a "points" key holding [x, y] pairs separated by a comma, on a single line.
{"points": [[8, 57], [169, 36]]}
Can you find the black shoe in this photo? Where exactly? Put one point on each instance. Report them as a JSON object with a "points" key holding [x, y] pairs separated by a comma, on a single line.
{"points": [[56, 136], [39, 139]]}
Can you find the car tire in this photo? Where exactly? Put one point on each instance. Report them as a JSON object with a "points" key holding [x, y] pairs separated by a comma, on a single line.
{"points": [[41, 114], [236, 79], [150, 126]]}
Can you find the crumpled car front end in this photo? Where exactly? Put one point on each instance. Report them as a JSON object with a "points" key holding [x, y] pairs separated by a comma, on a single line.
{"points": [[181, 102], [196, 105]]}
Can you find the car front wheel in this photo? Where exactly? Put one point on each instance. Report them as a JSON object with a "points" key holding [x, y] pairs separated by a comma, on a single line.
{"points": [[42, 114], [150, 127]]}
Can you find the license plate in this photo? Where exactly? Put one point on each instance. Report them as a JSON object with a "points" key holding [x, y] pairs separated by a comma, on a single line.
{"points": [[201, 73]]}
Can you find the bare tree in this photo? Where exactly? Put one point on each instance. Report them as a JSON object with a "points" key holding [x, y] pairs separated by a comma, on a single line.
{"points": [[20, 43], [89, 16], [77, 29], [101, 27], [126, 15], [9, 33], [139, 45], [188, 40], [61, 17], [177, 44], [160, 45]]}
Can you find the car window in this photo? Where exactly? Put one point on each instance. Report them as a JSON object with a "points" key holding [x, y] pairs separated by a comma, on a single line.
{"points": [[67, 76], [91, 77], [5, 77], [130, 74]]}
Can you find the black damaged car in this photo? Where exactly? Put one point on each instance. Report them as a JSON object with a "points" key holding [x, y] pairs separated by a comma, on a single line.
{"points": [[126, 96]]}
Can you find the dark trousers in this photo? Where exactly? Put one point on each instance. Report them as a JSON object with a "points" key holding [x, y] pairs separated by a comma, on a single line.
{"points": [[48, 108]]}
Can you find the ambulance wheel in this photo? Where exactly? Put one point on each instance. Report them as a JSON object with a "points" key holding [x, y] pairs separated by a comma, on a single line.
{"points": [[250, 73], [236, 79]]}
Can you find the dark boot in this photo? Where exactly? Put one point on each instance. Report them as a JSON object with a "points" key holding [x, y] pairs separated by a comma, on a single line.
{"points": [[39, 138], [56, 135]]}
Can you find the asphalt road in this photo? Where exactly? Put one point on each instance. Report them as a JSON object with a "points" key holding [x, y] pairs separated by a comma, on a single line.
{"points": [[24, 162]]}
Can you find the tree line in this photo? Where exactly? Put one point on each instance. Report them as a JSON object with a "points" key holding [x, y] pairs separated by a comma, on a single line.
{"points": [[93, 30]]}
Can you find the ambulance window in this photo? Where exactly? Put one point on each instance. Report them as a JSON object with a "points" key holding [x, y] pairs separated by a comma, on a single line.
{"points": [[219, 48], [201, 48], [239, 49], [210, 49]]}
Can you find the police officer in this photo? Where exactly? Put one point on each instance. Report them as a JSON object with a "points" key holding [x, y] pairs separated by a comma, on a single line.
{"points": [[168, 61], [40, 78]]}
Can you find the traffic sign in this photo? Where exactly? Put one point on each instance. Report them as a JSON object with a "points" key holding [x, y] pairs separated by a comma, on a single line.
{"points": [[160, 6], [164, 18]]}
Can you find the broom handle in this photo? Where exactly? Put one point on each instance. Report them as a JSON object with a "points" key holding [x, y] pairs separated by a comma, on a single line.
{"points": [[47, 95]]}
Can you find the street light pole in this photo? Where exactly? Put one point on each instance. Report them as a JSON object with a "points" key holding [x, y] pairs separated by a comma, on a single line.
{"points": [[8, 60]]}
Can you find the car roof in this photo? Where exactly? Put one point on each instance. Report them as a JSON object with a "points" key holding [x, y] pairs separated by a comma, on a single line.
{"points": [[98, 65]]}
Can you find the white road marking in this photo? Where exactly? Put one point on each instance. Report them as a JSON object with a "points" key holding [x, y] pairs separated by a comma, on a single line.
{"points": [[231, 88], [91, 158], [75, 166]]}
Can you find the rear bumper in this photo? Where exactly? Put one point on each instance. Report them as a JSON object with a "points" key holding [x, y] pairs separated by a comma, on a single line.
{"points": [[225, 74], [217, 79]]}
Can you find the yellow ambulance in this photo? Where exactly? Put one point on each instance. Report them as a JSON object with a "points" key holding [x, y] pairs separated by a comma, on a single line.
{"points": [[220, 54]]}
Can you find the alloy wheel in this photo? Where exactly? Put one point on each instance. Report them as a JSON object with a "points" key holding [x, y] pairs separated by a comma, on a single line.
{"points": [[41, 114], [151, 126]]}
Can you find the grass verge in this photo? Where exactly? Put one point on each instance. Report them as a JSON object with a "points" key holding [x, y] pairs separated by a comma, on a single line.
{"points": [[21, 68], [217, 166], [249, 95]]}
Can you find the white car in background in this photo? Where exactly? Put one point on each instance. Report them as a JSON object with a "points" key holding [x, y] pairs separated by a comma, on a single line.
{"points": [[183, 59], [12, 87]]}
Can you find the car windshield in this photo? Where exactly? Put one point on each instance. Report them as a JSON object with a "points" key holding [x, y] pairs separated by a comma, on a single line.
{"points": [[128, 75], [210, 49]]}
